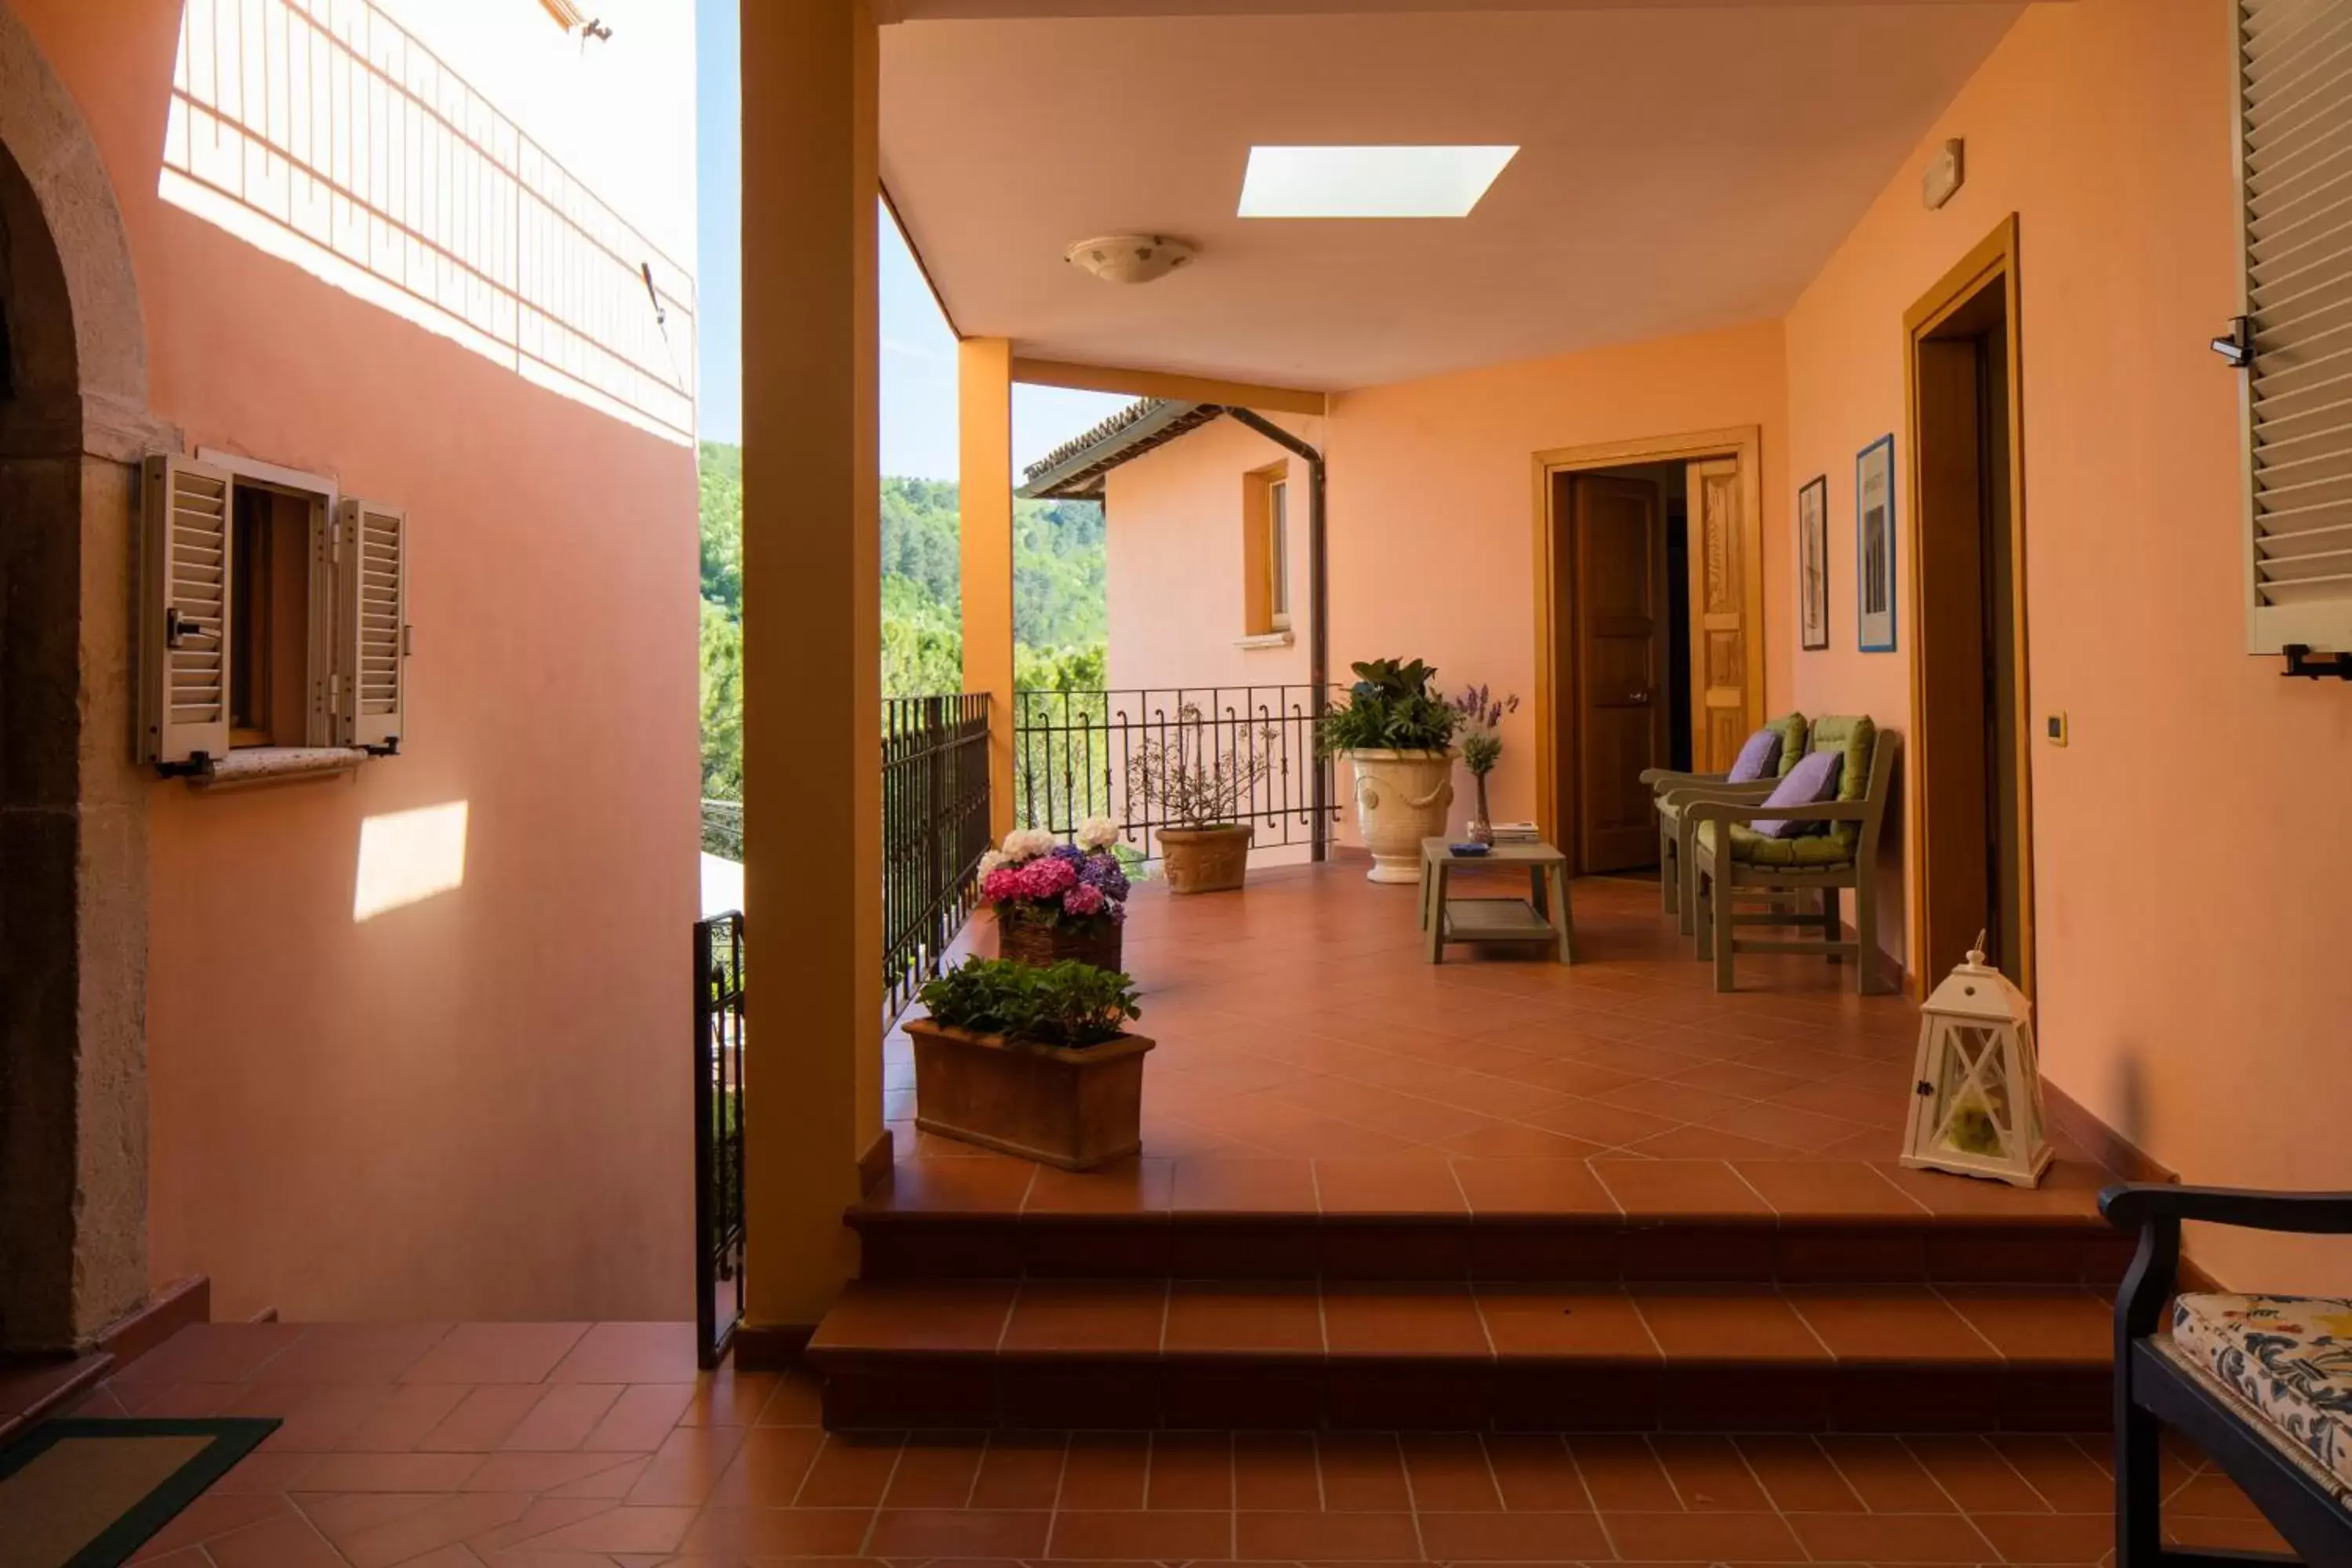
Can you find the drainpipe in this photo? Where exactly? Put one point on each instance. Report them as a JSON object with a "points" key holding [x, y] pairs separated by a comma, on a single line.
{"points": [[1319, 642]]}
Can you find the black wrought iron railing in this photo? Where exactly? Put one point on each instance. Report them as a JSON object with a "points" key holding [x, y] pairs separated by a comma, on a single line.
{"points": [[1078, 754], [722, 828], [934, 831], [718, 1230]]}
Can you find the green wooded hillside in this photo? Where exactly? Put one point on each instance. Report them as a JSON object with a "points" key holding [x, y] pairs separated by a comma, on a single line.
{"points": [[1060, 618]]}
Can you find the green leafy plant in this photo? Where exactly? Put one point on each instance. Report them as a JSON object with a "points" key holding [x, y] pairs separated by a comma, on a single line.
{"points": [[1070, 1004], [1392, 706]]}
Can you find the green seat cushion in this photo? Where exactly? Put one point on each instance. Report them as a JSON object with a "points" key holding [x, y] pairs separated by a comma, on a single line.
{"points": [[1806, 852], [1857, 739], [1793, 732]]}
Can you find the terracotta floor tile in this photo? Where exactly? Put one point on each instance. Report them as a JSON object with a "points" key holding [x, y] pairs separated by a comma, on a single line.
{"points": [[389, 1472], [1624, 1475], [2061, 1472], [1888, 1323], [483, 1418], [630, 1353], [2069, 1538], [2210, 1496], [1678, 1189], [1019, 1470], [734, 1533], [1212, 1185], [1828, 1189], [686, 1467], [282, 1542], [1326, 1537], [537, 1472], [1086, 1316], [1709, 1474], [354, 1352], [1798, 1475], [1141, 1185], [959, 1533], [562, 1417], [1891, 1538], [1389, 1186], [1512, 1537], [1241, 1317], [1598, 1122], [1275, 1471], [1106, 1470], [640, 1418], [1532, 1320], [1448, 1472], [1535, 1473], [496, 1353], [1362, 1473], [944, 1316], [936, 1470], [212, 1516], [983, 1183], [797, 1402], [852, 1471], [1691, 1142], [1513, 1140], [768, 1469], [1702, 1536], [213, 1353], [1359, 1321], [2060, 1325], [539, 1517], [1191, 1471], [727, 1398], [444, 1521], [1704, 1325], [315, 1416], [2224, 1535], [1976, 1477], [1887, 1475], [1674, 1099], [1128, 1534], [1540, 1186]]}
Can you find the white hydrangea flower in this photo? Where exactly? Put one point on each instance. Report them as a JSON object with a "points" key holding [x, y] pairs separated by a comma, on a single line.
{"points": [[1027, 843], [989, 862], [1097, 833]]}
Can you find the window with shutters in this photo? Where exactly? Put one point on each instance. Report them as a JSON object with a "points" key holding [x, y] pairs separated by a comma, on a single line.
{"points": [[273, 635], [1265, 554], [2294, 101]]}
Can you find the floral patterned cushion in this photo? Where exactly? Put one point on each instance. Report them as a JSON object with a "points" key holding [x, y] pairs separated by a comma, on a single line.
{"points": [[2289, 1358]]}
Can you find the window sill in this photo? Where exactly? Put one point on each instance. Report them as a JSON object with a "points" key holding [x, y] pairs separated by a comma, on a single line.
{"points": [[1263, 639], [256, 765]]}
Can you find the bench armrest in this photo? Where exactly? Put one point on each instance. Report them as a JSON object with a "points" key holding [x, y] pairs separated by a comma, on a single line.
{"points": [[1683, 795], [1667, 778], [2319, 1214], [1718, 810]]}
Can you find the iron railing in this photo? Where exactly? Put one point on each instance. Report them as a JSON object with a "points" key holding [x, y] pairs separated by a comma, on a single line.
{"points": [[719, 1231], [722, 829], [934, 830], [1075, 754]]}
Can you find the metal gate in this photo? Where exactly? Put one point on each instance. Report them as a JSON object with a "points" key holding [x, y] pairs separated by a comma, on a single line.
{"points": [[718, 1134]]}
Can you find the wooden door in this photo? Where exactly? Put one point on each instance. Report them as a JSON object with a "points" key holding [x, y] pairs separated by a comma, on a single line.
{"points": [[1726, 700], [1619, 591]]}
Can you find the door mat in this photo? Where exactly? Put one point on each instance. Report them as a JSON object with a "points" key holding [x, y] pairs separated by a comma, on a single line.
{"points": [[88, 1493]]}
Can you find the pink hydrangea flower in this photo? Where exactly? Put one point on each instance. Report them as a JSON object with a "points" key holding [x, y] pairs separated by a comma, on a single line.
{"points": [[1083, 900], [1047, 878], [1003, 883]]}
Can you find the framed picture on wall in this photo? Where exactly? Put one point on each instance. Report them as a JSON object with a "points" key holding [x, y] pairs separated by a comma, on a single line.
{"points": [[1814, 564], [1874, 521]]}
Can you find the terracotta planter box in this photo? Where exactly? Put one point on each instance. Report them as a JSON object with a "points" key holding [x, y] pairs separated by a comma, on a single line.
{"points": [[1076, 1109], [1045, 945], [1204, 859]]}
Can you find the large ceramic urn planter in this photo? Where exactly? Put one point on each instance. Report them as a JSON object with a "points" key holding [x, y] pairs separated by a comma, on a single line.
{"points": [[1401, 798], [1072, 1108], [1045, 945], [1204, 859]]}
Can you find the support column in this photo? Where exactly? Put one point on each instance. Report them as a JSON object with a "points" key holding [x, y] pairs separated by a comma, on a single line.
{"points": [[984, 499], [811, 650]]}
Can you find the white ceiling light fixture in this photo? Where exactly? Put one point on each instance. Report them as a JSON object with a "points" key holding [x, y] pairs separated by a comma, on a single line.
{"points": [[1129, 258], [1369, 182]]}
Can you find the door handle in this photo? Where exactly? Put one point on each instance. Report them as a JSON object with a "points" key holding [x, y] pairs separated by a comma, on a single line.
{"points": [[1641, 696]]}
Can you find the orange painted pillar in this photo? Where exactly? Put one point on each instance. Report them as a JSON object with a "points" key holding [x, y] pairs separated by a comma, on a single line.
{"points": [[984, 498], [812, 648]]}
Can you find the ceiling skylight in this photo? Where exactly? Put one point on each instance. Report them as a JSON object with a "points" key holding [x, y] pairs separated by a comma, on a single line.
{"points": [[1368, 181]]}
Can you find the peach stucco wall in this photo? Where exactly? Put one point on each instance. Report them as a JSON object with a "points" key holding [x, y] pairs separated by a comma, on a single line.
{"points": [[474, 1106], [2191, 873], [1432, 526]]}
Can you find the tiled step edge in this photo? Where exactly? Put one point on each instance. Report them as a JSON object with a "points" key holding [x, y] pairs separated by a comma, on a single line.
{"points": [[2025, 1249], [1115, 1354], [31, 1390]]}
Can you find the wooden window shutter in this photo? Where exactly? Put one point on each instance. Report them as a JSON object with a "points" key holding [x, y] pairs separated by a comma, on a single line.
{"points": [[372, 623], [2295, 100], [184, 641]]}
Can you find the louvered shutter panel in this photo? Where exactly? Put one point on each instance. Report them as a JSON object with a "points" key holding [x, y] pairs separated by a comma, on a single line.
{"points": [[2295, 83], [372, 619], [183, 639]]}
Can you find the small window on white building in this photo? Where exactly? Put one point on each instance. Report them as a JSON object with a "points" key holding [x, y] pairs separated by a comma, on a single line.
{"points": [[273, 617]]}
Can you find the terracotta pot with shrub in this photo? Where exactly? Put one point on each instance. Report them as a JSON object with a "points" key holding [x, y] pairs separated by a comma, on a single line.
{"points": [[1200, 783], [1054, 901], [1033, 1062], [1397, 735]]}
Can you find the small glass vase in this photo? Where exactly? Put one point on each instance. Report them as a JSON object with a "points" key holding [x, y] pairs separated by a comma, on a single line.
{"points": [[1481, 827]]}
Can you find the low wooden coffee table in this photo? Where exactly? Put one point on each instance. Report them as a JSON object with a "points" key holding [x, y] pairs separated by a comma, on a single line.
{"points": [[1529, 920]]}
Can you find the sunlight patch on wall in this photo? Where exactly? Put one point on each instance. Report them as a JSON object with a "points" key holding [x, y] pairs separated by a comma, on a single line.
{"points": [[321, 132], [408, 857]]}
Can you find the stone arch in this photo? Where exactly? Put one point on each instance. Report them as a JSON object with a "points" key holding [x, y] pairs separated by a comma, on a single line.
{"points": [[73, 812]]}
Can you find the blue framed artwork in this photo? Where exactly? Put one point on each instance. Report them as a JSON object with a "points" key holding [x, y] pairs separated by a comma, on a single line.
{"points": [[1874, 527]]}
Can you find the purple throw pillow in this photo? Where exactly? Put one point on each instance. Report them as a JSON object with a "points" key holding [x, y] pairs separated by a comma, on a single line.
{"points": [[1813, 780], [1758, 758]]}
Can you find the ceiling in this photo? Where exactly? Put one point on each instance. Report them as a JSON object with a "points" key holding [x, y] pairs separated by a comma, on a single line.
{"points": [[1681, 168]]}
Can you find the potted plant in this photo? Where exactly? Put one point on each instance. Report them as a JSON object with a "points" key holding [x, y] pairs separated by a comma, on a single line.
{"points": [[1180, 779], [1030, 1061], [1053, 900], [1482, 747], [1397, 735]]}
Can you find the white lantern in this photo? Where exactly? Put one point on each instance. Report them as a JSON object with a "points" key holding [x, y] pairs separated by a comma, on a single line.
{"points": [[1976, 1105]]}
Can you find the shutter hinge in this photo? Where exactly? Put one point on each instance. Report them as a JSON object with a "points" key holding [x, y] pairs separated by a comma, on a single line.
{"points": [[2238, 345], [2301, 662]]}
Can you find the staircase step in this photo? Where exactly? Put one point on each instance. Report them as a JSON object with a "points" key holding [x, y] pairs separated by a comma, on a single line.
{"points": [[35, 1386], [1133, 1353]]}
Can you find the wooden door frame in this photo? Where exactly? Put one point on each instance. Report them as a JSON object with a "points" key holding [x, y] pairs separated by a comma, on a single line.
{"points": [[1555, 812], [1992, 261]]}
